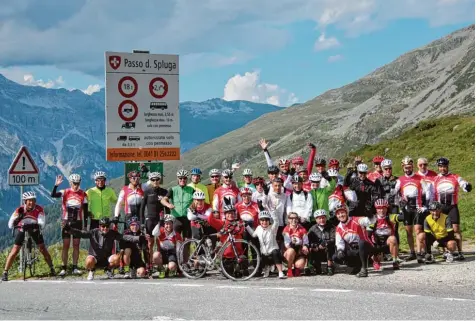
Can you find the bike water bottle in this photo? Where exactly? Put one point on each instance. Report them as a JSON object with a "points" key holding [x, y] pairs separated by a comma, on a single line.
{"points": [[209, 243]]}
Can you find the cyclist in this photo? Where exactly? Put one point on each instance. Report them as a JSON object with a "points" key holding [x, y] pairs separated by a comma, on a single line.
{"points": [[101, 245], [284, 167], [335, 165], [132, 252], [197, 214], [169, 242], [378, 172], [248, 212], [306, 183], [300, 202], [23, 217], [427, 179], [320, 195], [100, 199], [447, 187], [296, 244], [196, 175], [155, 210], [178, 199], [215, 175], [322, 238], [226, 190], [388, 182], [438, 228], [74, 204], [247, 180], [342, 195], [269, 248], [273, 172], [383, 233], [130, 197], [260, 196], [276, 205]]}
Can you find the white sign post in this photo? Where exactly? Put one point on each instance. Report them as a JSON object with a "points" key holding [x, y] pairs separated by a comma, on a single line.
{"points": [[142, 107]]}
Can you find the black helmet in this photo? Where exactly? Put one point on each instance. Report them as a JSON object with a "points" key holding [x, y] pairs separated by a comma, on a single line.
{"points": [[320, 161], [105, 221], [273, 169], [434, 206], [442, 161]]}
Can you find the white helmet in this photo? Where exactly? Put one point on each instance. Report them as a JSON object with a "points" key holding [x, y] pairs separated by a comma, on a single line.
{"points": [[214, 172], [198, 195], [315, 177], [264, 215], [227, 173], [30, 195], [386, 163], [332, 172], [154, 175], [99, 174], [168, 218], [182, 173], [283, 161], [74, 178], [363, 168], [247, 172], [321, 212]]}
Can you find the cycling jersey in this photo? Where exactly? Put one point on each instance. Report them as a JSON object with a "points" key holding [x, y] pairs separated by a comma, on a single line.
{"points": [[257, 196], [168, 241], [439, 228], [151, 201], [250, 186], [367, 193], [231, 192], [276, 204], [100, 200], [248, 213], [320, 196], [388, 188], [266, 237], [194, 215], [181, 197], [72, 203], [447, 188], [300, 203], [36, 214], [131, 199], [350, 232], [295, 236], [410, 187], [203, 188], [237, 229], [341, 195], [374, 176], [385, 227], [211, 190]]}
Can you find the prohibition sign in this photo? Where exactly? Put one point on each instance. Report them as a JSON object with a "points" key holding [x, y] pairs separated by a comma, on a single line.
{"points": [[157, 84], [120, 86], [121, 112]]}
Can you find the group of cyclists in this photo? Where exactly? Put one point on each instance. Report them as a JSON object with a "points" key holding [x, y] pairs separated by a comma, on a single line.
{"points": [[302, 216]]}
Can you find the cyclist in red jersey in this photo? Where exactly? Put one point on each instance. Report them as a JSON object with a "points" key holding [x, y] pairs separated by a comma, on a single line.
{"points": [[75, 205], [378, 172], [227, 189], [169, 242], [428, 179], [130, 197], [296, 245]]}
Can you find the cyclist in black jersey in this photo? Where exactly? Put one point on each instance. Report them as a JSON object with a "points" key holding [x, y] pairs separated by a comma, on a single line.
{"points": [[155, 210]]}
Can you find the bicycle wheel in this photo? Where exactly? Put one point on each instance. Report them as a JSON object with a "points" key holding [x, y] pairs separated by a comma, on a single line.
{"points": [[33, 259], [244, 266], [195, 266], [25, 259]]}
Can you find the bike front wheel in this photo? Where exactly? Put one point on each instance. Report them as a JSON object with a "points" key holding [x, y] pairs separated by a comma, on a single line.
{"points": [[239, 261], [191, 259]]}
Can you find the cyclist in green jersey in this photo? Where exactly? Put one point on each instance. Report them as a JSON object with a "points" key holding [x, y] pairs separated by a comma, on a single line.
{"points": [[247, 180], [100, 199]]}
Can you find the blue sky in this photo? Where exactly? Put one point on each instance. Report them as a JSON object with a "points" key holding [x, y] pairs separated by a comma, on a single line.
{"points": [[279, 52]]}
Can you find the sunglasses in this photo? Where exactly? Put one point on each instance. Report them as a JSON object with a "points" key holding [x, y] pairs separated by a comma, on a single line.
{"points": [[182, 178], [226, 177], [363, 173], [155, 180], [104, 226], [387, 169], [422, 164], [75, 183], [214, 176]]}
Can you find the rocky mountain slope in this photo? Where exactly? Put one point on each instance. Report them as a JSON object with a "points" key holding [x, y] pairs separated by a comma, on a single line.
{"points": [[432, 81]]}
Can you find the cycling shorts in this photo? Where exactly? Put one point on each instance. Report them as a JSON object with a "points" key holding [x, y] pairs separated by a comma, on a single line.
{"points": [[182, 225], [453, 212], [102, 262], [136, 259], [150, 224], [274, 257], [412, 217], [35, 235], [168, 256], [67, 235]]}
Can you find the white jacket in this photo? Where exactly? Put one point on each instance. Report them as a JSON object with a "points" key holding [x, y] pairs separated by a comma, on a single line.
{"points": [[300, 205], [266, 237], [276, 205], [260, 196]]}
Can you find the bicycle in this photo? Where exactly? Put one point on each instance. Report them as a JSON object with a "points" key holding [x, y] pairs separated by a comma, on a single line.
{"points": [[29, 251], [204, 258]]}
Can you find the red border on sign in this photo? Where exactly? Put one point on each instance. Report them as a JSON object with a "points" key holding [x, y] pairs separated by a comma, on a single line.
{"points": [[119, 86], [151, 87], [22, 150], [136, 110]]}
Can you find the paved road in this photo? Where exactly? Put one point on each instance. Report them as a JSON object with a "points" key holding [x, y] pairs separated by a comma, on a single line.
{"points": [[440, 291]]}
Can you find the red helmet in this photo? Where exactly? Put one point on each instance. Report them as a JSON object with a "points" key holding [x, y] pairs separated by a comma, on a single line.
{"points": [[378, 159], [258, 180], [381, 203], [298, 160], [133, 174], [333, 162]]}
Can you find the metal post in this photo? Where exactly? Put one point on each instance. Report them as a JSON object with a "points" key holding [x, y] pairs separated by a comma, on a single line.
{"points": [[20, 266]]}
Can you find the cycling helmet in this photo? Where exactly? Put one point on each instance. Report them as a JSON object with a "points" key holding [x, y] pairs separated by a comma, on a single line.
{"points": [[320, 161], [198, 195], [407, 160], [334, 162], [378, 159], [227, 173], [214, 172], [258, 180], [386, 163], [245, 190], [362, 168], [442, 161], [168, 218], [247, 172], [133, 220], [155, 175], [283, 161], [133, 174], [273, 170], [298, 160], [341, 207], [381, 203], [74, 178], [434, 206], [196, 171], [229, 208], [320, 212], [105, 221], [30, 195], [332, 173], [264, 215], [297, 179], [99, 174], [315, 177], [182, 173]]}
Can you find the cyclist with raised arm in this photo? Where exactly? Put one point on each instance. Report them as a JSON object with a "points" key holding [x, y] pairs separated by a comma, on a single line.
{"points": [[28, 216], [132, 252], [169, 242], [196, 176], [335, 165], [74, 206], [447, 186], [100, 199], [320, 195]]}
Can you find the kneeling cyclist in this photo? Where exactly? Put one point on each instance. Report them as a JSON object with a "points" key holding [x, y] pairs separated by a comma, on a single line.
{"points": [[131, 252], [169, 242], [322, 237], [28, 216]]}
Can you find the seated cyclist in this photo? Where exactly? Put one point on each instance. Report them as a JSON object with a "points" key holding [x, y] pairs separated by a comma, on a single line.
{"points": [[132, 252], [101, 244], [322, 239], [296, 245], [197, 214], [27, 217], [169, 242]]}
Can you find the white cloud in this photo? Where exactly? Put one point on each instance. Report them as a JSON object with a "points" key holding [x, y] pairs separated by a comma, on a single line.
{"points": [[248, 87], [323, 43], [23, 77], [335, 58], [92, 89]]}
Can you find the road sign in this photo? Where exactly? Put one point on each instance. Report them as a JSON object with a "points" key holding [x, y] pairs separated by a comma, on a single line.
{"points": [[23, 170], [142, 107], [144, 169]]}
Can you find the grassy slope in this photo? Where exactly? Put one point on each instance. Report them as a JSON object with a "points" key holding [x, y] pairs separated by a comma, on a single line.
{"points": [[452, 137]]}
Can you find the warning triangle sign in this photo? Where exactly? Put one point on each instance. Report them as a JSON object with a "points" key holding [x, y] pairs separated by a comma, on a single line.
{"points": [[23, 163]]}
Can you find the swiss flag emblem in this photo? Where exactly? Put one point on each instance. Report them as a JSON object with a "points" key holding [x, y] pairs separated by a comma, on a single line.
{"points": [[114, 62]]}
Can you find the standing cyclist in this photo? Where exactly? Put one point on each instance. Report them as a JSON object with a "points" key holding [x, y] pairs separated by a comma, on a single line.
{"points": [[130, 197], [100, 199]]}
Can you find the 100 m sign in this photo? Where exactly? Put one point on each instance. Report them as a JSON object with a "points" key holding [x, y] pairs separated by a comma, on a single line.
{"points": [[23, 179]]}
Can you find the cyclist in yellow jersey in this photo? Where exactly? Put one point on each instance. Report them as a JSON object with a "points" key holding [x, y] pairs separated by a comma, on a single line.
{"points": [[215, 176], [197, 186], [100, 199]]}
